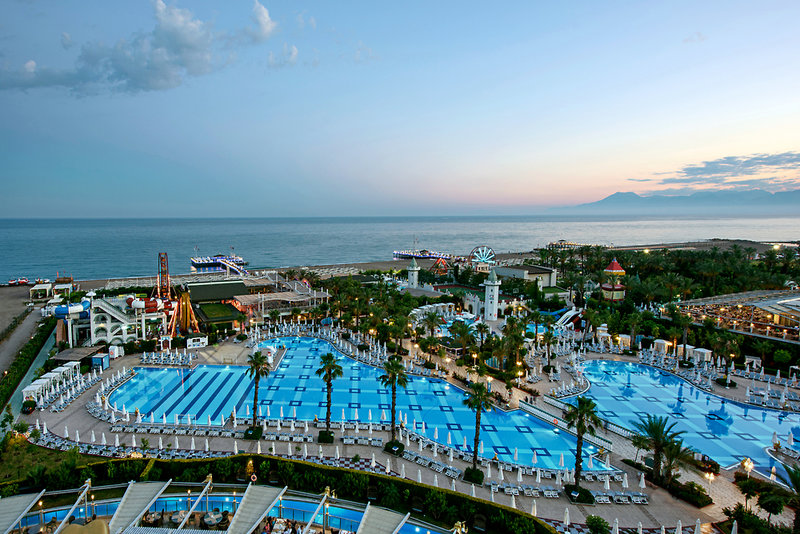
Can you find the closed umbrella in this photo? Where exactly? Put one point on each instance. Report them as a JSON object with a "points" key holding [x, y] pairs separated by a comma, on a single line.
{"points": [[372, 463], [566, 516], [697, 526], [206, 444], [93, 438], [235, 447], [464, 445], [103, 440], [388, 465], [133, 441], [519, 475], [558, 479], [402, 470], [449, 439], [615, 530], [192, 446], [491, 494], [258, 448], [419, 476], [516, 455], [561, 460], [472, 490], [538, 476], [590, 464], [44, 427], [480, 448], [337, 452], [607, 483], [679, 527], [642, 483], [436, 432], [452, 484], [489, 471], [305, 450], [175, 443], [116, 440], [533, 508], [625, 481], [735, 528], [355, 415], [289, 450], [639, 528], [501, 474], [513, 500], [608, 460], [772, 474]]}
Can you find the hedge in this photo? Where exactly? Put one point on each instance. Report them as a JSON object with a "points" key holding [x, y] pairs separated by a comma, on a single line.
{"points": [[24, 359], [690, 492], [440, 505]]}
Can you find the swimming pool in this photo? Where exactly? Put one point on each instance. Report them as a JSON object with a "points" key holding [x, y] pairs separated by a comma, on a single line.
{"points": [[213, 391], [725, 430]]}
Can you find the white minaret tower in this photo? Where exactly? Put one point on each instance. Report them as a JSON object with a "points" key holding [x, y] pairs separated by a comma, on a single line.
{"points": [[413, 274], [492, 285]]}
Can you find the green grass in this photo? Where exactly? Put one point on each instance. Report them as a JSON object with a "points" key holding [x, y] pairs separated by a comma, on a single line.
{"points": [[552, 290], [216, 311], [20, 456]]}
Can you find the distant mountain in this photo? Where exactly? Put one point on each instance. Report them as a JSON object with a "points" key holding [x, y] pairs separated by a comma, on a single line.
{"points": [[718, 203]]}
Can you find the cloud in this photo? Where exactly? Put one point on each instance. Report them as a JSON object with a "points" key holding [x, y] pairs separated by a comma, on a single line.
{"points": [[66, 41], [696, 37], [179, 46], [264, 24], [287, 57], [771, 172], [30, 66], [301, 21], [364, 53]]}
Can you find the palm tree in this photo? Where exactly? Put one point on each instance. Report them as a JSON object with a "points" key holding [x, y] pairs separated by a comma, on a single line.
{"points": [[274, 315], [431, 320], [792, 480], [659, 433], [676, 456], [478, 400], [583, 417], [640, 443], [395, 375], [329, 370], [482, 329], [258, 368]]}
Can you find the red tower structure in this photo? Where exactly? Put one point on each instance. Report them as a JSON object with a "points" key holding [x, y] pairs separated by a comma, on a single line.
{"points": [[164, 289]]}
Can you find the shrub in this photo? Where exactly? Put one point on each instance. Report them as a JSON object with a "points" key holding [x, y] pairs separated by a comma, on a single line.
{"points": [[597, 525], [241, 337], [325, 437], [253, 433], [584, 496], [28, 406], [721, 382], [473, 475], [391, 444], [782, 356], [24, 359]]}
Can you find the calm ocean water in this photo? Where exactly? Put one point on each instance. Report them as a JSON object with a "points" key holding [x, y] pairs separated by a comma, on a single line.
{"points": [[100, 248]]}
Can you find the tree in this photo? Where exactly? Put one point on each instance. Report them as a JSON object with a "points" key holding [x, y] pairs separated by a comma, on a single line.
{"points": [[329, 370], [258, 368], [676, 456], [478, 400], [482, 329], [431, 320], [274, 315], [748, 487], [772, 503], [583, 417], [394, 375], [659, 433], [792, 480], [639, 442]]}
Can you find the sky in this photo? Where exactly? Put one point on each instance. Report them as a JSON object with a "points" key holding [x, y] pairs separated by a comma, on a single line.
{"points": [[259, 108]]}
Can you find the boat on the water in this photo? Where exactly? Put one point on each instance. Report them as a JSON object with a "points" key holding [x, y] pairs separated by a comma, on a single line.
{"points": [[423, 253], [219, 263]]}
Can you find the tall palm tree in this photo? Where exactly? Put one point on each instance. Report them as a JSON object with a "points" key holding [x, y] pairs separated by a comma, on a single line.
{"points": [[676, 456], [583, 417], [258, 368], [792, 480], [329, 369], [431, 320], [478, 400], [274, 315], [395, 375], [482, 329], [659, 433]]}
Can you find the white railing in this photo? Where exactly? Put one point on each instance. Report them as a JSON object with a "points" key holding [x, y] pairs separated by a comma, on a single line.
{"points": [[608, 425]]}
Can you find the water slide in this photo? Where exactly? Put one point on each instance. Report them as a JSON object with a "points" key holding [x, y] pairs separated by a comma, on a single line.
{"points": [[65, 311], [570, 317]]}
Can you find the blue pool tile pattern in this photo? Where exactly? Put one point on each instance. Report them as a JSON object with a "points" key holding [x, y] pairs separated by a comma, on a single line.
{"points": [[725, 430], [213, 391]]}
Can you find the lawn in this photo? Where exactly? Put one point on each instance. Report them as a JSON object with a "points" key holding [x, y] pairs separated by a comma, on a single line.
{"points": [[217, 311], [20, 456]]}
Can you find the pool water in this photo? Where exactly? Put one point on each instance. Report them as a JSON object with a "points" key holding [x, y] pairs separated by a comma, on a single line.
{"points": [[726, 431], [213, 391]]}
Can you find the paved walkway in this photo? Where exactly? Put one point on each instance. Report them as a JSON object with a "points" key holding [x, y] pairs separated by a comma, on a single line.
{"points": [[21, 335]]}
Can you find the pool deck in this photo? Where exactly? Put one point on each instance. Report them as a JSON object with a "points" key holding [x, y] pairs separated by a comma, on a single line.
{"points": [[663, 508]]}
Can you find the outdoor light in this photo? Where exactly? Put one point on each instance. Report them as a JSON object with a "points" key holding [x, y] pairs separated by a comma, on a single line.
{"points": [[747, 464]]}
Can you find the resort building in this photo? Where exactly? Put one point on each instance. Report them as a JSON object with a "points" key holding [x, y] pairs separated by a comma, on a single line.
{"points": [[544, 276], [774, 314], [612, 289], [114, 321]]}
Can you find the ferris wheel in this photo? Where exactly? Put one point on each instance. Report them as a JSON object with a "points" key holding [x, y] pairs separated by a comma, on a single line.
{"points": [[482, 254]]}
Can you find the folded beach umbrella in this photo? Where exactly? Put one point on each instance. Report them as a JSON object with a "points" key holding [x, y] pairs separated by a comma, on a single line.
{"points": [[533, 507], [679, 527]]}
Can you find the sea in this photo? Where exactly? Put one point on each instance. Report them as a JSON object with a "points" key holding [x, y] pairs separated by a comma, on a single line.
{"points": [[91, 249]]}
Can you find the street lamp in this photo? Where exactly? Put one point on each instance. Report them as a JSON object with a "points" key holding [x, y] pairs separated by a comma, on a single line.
{"points": [[747, 465], [710, 477]]}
